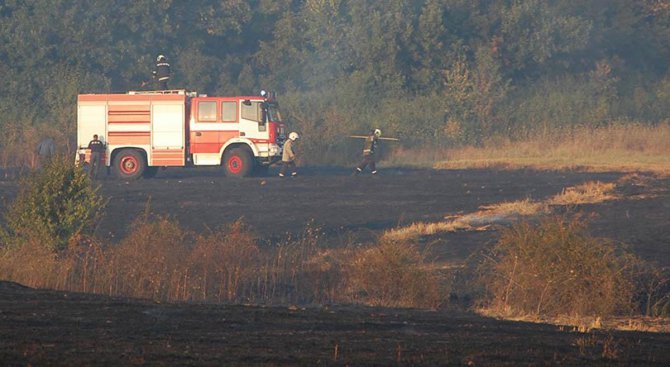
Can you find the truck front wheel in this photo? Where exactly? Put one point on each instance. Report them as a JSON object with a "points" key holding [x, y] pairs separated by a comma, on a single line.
{"points": [[129, 164], [238, 162]]}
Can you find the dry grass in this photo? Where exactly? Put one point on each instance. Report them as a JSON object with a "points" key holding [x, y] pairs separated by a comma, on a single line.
{"points": [[506, 212], [587, 324], [159, 260], [416, 230], [478, 221], [520, 207], [591, 192], [619, 147]]}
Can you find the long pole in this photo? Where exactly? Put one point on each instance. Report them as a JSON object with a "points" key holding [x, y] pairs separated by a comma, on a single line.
{"points": [[365, 137]]}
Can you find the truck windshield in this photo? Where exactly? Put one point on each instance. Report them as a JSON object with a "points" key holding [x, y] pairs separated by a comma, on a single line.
{"points": [[273, 113]]}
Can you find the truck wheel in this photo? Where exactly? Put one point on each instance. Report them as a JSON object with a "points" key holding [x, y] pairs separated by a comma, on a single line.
{"points": [[238, 162], [129, 164]]}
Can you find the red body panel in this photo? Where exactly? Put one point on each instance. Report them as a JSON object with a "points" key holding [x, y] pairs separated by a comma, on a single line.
{"points": [[210, 141]]}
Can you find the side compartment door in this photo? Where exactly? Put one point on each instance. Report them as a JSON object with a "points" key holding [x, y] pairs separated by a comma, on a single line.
{"points": [[168, 131], [91, 119]]}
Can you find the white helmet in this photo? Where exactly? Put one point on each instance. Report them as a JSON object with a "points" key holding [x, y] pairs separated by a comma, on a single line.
{"points": [[293, 136], [160, 58], [378, 133]]}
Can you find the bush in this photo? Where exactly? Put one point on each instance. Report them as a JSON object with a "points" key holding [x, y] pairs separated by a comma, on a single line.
{"points": [[653, 289], [54, 205], [393, 274], [150, 261], [555, 268], [223, 265]]}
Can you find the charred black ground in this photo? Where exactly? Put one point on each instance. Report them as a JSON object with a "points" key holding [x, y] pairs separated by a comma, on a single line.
{"points": [[42, 327]]}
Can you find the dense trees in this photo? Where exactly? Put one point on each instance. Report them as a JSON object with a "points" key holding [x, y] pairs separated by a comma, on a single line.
{"points": [[440, 71]]}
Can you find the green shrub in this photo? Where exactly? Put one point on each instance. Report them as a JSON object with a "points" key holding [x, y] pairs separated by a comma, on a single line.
{"points": [[54, 205], [555, 268]]}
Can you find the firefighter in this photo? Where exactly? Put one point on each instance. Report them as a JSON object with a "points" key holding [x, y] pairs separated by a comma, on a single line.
{"points": [[162, 72], [97, 148], [369, 149], [288, 156]]}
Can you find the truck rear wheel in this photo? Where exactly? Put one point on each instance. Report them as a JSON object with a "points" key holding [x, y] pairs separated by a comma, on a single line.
{"points": [[129, 164], [238, 162]]}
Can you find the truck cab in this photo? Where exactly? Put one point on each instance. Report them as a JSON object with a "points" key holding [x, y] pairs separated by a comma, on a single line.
{"points": [[219, 125]]}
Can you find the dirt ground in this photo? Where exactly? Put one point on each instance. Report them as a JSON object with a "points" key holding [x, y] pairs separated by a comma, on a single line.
{"points": [[41, 327], [47, 328]]}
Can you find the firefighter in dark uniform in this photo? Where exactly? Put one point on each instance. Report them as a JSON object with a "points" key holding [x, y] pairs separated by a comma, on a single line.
{"points": [[369, 149], [97, 148], [162, 72], [288, 156]]}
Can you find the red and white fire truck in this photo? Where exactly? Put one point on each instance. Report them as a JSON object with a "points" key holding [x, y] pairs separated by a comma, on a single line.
{"points": [[146, 130]]}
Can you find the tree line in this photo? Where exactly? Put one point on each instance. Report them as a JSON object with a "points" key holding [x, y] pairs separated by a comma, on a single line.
{"points": [[438, 72]]}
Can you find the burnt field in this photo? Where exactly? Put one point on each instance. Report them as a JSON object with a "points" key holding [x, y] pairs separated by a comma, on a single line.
{"points": [[42, 327], [357, 209]]}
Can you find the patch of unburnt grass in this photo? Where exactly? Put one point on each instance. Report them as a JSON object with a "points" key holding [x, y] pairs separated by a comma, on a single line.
{"points": [[506, 212], [616, 146], [483, 219], [591, 192]]}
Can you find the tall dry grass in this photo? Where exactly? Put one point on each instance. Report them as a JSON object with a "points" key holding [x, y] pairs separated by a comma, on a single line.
{"points": [[617, 146], [160, 260], [549, 268], [221, 265]]}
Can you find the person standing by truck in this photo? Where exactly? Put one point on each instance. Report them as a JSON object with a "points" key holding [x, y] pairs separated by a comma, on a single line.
{"points": [[288, 156], [162, 72], [97, 148], [369, 149]]}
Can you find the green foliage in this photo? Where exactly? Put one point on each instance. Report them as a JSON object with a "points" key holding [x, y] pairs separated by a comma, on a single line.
{"points": [[531, 34], [442, 72], [55, 204]]}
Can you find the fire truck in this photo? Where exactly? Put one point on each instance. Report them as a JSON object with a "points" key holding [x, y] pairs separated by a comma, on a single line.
{"points": [[146, 130]]}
